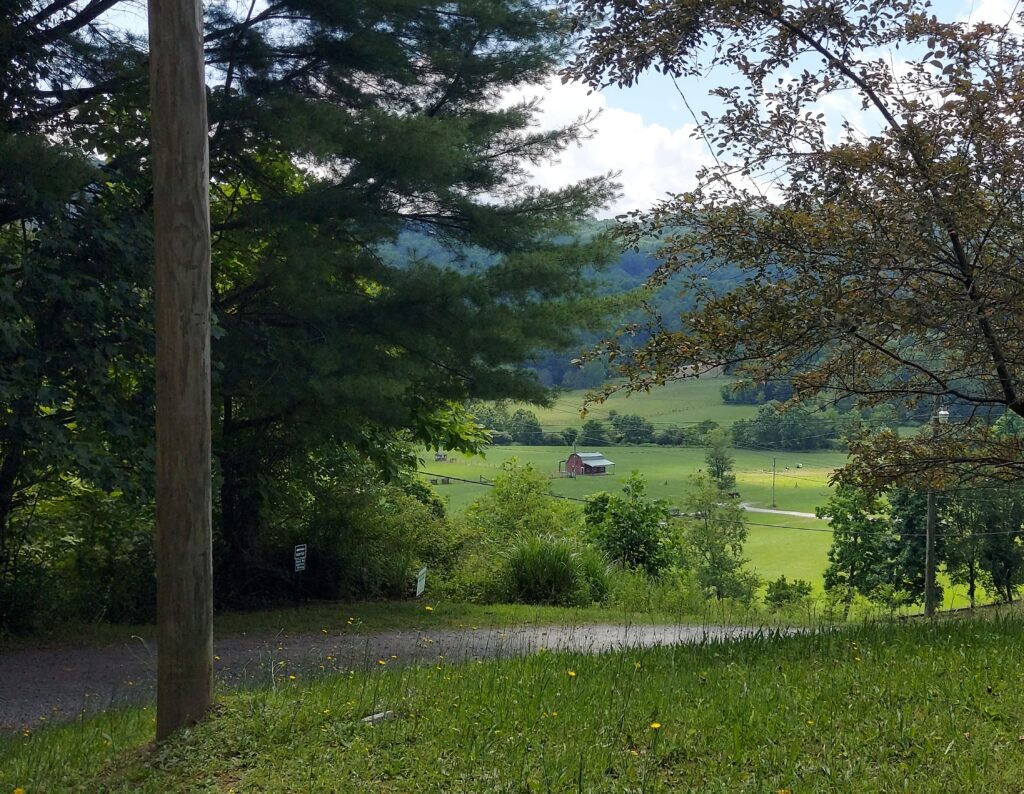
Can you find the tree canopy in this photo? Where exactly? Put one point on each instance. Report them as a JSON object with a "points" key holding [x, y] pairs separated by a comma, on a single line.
{"points": [[335, 127], [878, 256]]}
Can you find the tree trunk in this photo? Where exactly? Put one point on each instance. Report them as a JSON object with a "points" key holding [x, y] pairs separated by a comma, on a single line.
{"points": [[847, 603], [10, 467], [182, 296], [848, 598], [240, 521]]}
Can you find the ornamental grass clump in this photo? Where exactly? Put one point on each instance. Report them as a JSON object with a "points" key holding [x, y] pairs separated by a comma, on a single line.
{"points": [[542, 569]]}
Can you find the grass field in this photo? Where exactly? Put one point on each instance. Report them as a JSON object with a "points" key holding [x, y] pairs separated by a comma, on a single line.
{"points": [[678, 403], [667, 470], [774, 546], [911, 707]]}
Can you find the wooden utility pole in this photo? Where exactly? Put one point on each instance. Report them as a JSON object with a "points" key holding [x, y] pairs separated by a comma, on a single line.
{"points": [[929, 529], [929, 558], [773, 482], [182, 294]]}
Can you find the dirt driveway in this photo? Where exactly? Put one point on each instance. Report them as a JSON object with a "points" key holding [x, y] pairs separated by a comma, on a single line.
{"points": [[53, 685]]}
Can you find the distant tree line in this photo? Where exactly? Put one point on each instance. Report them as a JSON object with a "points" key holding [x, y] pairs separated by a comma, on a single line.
{"points": [[799, 428], [521, 426], [757, 393]]}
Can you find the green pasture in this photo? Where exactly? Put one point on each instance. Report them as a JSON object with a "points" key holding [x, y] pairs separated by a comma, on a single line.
{"points": [[785, 547], [677, 403], [667, 470]]}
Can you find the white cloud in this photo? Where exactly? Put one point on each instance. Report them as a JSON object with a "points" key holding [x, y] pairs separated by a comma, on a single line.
{"points": [[996, 12], [652, 158]]}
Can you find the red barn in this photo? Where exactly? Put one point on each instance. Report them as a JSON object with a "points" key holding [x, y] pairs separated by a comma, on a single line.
{"points": [[586, 463]]}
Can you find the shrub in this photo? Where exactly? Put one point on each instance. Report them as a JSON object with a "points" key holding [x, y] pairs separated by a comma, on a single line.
{"points": [[364, 543], [630, 529], [542, 569], [83, 555], [520, 504], [478, 579], [782, 593]]}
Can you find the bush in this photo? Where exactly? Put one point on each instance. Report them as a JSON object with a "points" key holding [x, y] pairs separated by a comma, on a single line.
{"points": [[542, 569], [84, 555], [520, 504], [478, 579], [630, 529], [782, 593], [365, 543]]}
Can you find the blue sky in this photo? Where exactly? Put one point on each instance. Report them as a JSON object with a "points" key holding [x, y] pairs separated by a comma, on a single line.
{"points": [[645, 132]]}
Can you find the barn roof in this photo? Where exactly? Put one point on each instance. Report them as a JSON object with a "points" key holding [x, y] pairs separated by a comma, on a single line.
{"points": [[595, 459]]}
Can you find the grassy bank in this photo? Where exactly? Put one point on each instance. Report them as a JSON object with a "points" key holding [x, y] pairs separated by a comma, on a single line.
{"points": [[877, 708]]}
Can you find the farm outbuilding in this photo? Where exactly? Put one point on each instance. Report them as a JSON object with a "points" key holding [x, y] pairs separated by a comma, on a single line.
{"points": [[586, 463]]}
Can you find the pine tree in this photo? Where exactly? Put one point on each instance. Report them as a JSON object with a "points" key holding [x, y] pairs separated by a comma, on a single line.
{"points": [[336, 128], [331, 139]]}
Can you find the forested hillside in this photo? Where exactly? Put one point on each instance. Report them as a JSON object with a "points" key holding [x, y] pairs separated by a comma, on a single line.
{"points": [[621, 283]]}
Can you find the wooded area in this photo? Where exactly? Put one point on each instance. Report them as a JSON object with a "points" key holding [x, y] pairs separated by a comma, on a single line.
{"points": [[327, 359]]}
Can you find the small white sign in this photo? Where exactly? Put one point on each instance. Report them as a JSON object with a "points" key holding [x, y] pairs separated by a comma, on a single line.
{"points": [[421, 581], [300, 557]]}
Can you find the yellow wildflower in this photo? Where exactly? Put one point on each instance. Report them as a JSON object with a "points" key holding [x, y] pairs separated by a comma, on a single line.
{"points": [[571, 673], [655, 726], [429, 608]]}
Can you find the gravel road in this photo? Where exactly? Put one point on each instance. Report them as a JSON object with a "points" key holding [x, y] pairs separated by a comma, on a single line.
{"points": [[53, 685], [751, 509]]}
